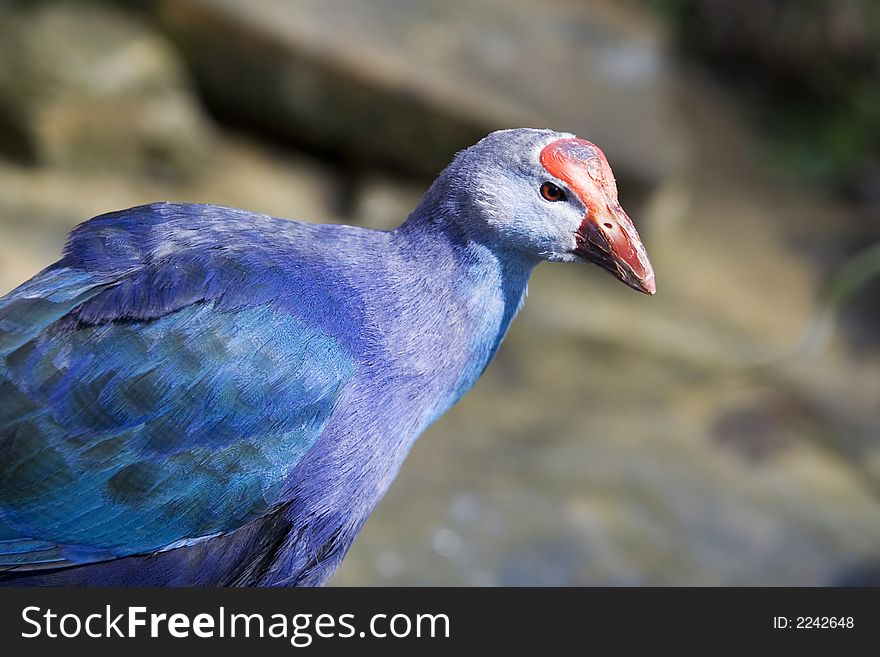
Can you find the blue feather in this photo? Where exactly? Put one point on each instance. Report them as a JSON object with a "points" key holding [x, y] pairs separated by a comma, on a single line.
{"points": [[176, 378], [202, 395], [160, 431]]}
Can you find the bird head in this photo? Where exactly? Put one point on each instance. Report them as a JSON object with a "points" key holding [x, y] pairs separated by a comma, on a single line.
{"points": [[550, 196]]}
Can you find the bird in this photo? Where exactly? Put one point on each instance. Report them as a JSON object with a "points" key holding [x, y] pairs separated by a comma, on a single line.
{"points": [[195, 395]]}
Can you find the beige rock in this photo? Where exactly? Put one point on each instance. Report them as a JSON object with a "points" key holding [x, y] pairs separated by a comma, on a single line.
{"points": [[410, 83], [83, 85]]}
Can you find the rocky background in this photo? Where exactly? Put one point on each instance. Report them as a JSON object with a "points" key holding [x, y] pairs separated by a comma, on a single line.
{"points": [[724, 432]]}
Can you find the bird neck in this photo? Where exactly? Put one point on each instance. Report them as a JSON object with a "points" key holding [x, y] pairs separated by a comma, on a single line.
{"points": [[451, 249], [467, 293]]}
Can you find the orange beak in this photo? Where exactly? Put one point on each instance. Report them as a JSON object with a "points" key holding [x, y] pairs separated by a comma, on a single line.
{"points": [[606, 236]]}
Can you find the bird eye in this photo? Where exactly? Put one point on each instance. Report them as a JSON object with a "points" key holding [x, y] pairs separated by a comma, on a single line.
{"points": [[552, 192]]}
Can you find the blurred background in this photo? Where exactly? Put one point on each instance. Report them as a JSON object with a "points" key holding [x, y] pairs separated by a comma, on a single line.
{"points": [[724, 432]]}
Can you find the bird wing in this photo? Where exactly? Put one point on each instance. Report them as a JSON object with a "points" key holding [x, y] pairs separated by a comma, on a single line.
{"points": [[132, 427]]}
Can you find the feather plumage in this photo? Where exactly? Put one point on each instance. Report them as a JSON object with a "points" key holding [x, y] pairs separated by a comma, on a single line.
{"points": [[202, 395]]}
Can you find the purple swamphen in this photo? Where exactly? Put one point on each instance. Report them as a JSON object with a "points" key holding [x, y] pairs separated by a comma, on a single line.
{"points": [[198, 395]]}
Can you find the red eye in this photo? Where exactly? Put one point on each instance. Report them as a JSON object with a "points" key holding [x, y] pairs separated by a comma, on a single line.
{"points": [[552, 192]]}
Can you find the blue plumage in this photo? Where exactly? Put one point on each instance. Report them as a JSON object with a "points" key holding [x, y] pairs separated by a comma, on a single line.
{"points": [[202, 395]]}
